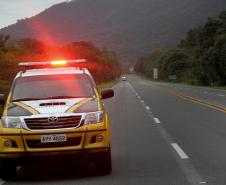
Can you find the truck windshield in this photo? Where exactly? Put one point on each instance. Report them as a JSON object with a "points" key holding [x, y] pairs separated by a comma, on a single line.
{"points": [[52, 87]]}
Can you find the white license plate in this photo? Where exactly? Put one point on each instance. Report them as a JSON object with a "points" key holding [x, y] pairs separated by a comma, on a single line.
{"points": [[53, 138]]}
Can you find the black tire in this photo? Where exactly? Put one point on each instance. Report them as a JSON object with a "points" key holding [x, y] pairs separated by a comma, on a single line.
{"points": [[103, 163], [7, 169]]}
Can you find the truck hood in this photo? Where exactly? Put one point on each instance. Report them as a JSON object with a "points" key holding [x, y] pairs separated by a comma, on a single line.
{"points": [[51, 106]]}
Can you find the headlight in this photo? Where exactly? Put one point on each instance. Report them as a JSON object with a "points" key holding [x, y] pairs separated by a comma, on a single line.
{"points": [[11, 122], [94, 117]]}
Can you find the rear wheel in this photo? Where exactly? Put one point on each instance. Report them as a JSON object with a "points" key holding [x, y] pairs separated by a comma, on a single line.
{"points": [[7, 169], [103, 163]]}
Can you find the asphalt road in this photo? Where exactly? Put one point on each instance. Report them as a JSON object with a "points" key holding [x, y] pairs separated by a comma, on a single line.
{"points": [[216, 96], [158, 138]]}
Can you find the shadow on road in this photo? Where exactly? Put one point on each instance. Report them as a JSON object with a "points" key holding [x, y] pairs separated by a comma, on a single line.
{"points": [[42, 172]]}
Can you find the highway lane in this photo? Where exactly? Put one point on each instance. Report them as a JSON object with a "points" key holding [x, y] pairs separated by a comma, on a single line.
{"points": [[216, 96], [198, 129], [157, 138], [142, 152]]}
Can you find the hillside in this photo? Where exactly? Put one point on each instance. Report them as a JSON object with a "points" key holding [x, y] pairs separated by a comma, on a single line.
{"points": [[130, 27], [200, 58]]}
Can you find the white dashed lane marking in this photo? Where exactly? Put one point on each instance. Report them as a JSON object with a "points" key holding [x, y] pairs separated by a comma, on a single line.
{"points": [[148, 108], [179, 151], [188, 168], [157, 120]]}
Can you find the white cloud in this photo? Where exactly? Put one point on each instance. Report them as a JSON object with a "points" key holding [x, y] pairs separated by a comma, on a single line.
{"points": [[12, 10]]}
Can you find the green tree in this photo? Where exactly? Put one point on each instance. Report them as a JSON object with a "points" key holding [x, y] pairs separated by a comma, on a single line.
{"points": [[3, 40], [31, 45]]}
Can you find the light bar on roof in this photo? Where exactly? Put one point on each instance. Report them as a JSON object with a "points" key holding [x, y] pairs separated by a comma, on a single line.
{"points": [[54, 63], [59, 62]]}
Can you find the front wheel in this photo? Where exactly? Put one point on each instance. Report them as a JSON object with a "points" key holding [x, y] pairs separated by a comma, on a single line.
{"points": [[103, 163], [7, 169]]}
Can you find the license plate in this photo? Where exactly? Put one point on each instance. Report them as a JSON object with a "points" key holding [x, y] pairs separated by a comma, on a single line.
{"points": [[53, 138]]}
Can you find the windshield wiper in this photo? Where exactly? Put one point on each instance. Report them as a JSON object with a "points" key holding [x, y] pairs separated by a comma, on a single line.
{"points": [[26, 99]]}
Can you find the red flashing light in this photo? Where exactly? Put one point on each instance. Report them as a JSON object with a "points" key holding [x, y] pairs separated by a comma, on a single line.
{"points": [[50, 64], [59, 62]]}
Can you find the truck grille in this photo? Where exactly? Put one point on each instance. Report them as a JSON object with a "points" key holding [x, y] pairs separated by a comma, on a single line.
{"points": [[74, 141], [43, 123]]}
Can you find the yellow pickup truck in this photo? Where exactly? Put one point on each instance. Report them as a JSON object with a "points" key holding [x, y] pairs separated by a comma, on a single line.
{"points": [[54, 111]]}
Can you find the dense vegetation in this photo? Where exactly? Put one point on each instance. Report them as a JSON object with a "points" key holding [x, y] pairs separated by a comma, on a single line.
{"points": [[198, 59], [130, 27], [102, 63]]}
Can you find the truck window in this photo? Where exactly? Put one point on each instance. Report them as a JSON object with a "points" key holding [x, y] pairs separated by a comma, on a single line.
{"points": [[52, 86]]}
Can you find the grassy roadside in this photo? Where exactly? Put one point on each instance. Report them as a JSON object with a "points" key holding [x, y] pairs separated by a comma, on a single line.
{"points": [[217, 87], [4, 86], [1, 109], [4, 89], [183, 83], [108, 84]]}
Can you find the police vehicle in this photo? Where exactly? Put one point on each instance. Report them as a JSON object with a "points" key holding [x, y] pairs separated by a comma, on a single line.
{"points": [[54, 110]]}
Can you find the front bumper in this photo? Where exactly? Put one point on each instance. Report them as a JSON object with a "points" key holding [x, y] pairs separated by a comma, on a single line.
{"points": [[27, 144]]}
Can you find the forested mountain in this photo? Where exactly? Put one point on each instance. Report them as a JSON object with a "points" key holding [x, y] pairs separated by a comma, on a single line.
{"points": [[130, 27]]}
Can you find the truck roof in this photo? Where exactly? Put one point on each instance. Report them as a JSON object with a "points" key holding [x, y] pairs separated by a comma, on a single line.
{"points": [[52, 71]]}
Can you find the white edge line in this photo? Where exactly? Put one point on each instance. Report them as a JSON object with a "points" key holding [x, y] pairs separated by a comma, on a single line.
{"points": [[180, 152], [156, 120], [221, 95]]}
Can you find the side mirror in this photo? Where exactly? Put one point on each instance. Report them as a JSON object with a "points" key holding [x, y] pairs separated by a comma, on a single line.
{"points": [[107, 93], [2, 99]]}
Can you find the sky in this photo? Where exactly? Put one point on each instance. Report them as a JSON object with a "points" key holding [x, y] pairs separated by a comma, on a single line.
{"points": [[12, 10]]}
